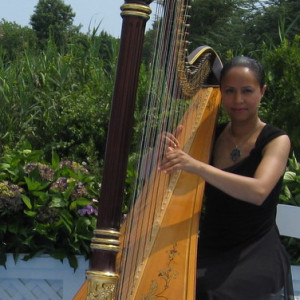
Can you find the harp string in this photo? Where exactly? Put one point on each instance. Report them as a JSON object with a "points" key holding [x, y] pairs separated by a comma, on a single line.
{"points": [[164, 109]]}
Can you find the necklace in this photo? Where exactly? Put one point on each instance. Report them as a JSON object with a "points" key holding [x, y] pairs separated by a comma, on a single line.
{"points": [[236, 152]]}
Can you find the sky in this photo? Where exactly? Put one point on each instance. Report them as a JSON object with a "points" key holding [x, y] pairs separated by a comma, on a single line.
{"points": [[88, 12]]}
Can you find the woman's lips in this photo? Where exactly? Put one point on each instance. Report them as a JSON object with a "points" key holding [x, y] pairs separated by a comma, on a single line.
{"points": [[238, 109]]}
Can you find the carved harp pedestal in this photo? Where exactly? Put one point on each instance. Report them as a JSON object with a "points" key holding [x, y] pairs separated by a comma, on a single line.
{"points": [[152, 255]]}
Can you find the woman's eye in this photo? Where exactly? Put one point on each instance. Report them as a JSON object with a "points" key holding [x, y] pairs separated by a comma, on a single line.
{"points": [[248, 91], [229, 91]]}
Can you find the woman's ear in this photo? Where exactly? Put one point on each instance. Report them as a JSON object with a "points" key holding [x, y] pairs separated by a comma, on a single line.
{"points": [[263, 90]]}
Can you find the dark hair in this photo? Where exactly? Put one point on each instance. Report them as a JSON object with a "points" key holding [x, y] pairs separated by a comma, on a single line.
{"points": [[244, 61]]}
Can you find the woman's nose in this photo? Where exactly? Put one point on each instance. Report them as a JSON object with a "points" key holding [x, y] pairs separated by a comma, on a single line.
{"points": [[238, 97]]}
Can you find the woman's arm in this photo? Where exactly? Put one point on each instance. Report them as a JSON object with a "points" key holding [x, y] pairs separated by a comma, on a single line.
{"points": [[253, 190]]}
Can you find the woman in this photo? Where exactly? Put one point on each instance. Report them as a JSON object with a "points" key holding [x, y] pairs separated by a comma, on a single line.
{"points": [[240, 255]]}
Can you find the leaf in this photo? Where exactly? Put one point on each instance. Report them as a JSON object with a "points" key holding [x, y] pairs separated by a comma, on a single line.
{"points": [[286, 191], [82, 201], [3, 259], [293, 164], [55, 161], [79, 202], [84, 237], [33, 185], [58, 202], [69, 190], [67, 220], [33, 254], [283, 198], [43, 196], [297, 199], [59, 254], [73, 262], [73, 205], [4, 166], [30, 213], [13, 228], [289, 176], [3, 227], [27, 201]]}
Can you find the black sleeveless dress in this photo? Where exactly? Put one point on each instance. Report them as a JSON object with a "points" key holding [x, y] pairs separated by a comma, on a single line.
{"points": [[240, 254]]}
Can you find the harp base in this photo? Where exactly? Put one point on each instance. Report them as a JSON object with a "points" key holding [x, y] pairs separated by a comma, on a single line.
{"points": [[101, 285]]}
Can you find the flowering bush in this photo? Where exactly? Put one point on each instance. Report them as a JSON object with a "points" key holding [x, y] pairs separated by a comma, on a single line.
{"points": [[45, 207]]}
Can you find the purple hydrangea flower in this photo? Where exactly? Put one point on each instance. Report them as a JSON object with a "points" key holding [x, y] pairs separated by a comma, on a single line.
{"points": [[10, 197], [45, 171], [76, 167], [88, 210], [62, 183]]}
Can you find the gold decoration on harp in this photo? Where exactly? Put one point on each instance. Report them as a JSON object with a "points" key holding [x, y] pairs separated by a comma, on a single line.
{"points": [[106, 240], [192, 76], [167, 275], [101, 285], [136, 10], [193, 70]]}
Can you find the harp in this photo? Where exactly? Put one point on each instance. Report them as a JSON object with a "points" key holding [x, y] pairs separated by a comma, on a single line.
{"points": [[153, 254]]}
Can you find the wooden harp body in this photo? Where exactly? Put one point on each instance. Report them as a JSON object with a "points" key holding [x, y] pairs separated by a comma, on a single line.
{"points": [[153, 254], [165, 223]]}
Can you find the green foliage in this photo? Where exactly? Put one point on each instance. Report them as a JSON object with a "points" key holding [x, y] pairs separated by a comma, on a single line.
{"points": [[274, 22], [14, 40], [239, 25], [45, 207], [281, 104], [60, 101], [291, 183], [217, 24], [291, 195]]}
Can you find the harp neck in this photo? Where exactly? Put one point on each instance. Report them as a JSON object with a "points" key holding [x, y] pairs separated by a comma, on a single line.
{"points": [[135, 15]]}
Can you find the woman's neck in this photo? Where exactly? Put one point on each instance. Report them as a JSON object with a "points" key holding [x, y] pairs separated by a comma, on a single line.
{"points": [[240, 129]]}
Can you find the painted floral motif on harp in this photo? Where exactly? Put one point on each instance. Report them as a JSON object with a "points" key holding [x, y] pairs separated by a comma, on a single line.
{"points": [[166, 275]]}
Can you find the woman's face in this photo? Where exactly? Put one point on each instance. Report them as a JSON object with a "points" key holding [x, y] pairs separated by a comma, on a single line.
{"points": [[241, 93]]}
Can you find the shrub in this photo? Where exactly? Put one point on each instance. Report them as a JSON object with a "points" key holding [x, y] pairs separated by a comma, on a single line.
{"points": [[45, 207]]}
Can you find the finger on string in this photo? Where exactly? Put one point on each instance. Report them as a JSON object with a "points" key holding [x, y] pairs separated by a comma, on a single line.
{"points": [[177, 133], [170, 140], [178, 130], [165, 161], [169, 150], [169, 170]]}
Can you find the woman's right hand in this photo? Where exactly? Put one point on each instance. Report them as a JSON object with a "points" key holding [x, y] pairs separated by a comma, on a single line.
{"points": [[167, 139]]}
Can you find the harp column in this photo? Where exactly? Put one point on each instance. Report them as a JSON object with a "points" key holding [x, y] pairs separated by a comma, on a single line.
{"points": [[102, 277]]}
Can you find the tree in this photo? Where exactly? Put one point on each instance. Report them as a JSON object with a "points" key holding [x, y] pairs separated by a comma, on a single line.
{"points": [[53, 18], [216, 23], [273, 22], [243, 25], [219, 24], [14, 39], [281, 103]]}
